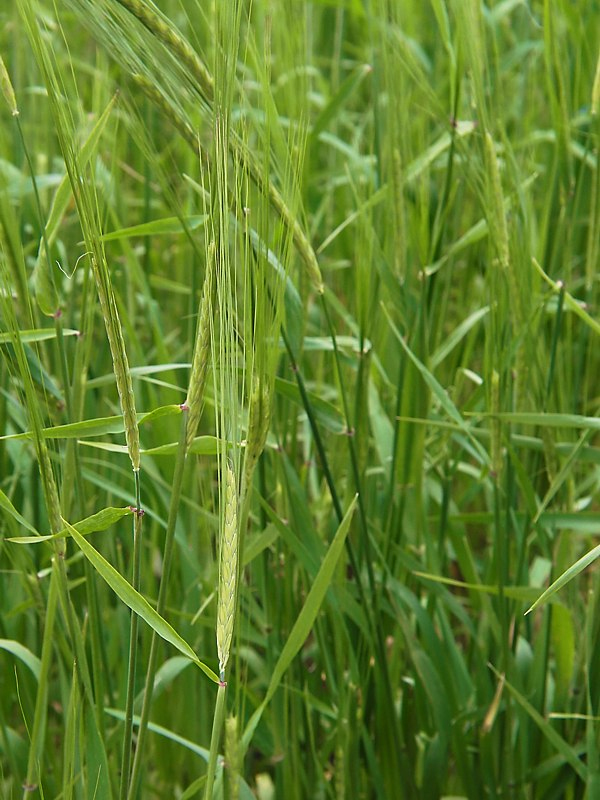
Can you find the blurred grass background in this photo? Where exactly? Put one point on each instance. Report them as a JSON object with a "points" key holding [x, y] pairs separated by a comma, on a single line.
{"points": [[399, 205]]}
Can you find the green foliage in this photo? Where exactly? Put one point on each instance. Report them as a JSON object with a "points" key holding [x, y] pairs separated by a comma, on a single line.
{"points": [[372, 231]]}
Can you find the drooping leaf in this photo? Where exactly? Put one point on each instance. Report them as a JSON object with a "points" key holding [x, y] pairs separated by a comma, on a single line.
{"points": [[23, 654], [553, 736], [136, 602], [96, 522], [566, 576], [157, 227], [97, 427]]}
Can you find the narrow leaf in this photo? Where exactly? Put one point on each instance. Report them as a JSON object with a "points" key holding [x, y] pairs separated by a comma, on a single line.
{"points": [[158, 227], [567, 576], [306, 618], [37, 335], [22, 653], [549, 732], [439, 393], [520, 593], [134, 600], [99, 426], [96, 522], [8, 507]]}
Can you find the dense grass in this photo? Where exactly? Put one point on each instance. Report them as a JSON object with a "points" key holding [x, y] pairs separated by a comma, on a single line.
{"points": [[373, 230]]}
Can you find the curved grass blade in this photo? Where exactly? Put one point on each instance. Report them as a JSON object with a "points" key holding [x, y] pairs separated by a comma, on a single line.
{"points": [[518, 593], [168, 225], [439, 393], [21, 652], [96, 522], [134, 600], [37, 335], [566, 576], [555, 739], [7, 506], [201, 445], [99, 426]]}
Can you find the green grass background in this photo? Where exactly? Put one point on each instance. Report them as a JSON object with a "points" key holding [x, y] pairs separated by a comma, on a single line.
{"points": [[398, 205]]}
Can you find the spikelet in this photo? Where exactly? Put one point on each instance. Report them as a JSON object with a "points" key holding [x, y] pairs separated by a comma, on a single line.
{"points": [[169, 110], [228, 570], [269, 190], [201, 351], [182, 49], [596, 90], [174, 41], [7, 89], [301, 242], [497, 221], [120, 362], [259, 417]]}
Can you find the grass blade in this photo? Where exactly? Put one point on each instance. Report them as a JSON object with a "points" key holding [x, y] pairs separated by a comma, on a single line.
{"points": [[134, 600]]}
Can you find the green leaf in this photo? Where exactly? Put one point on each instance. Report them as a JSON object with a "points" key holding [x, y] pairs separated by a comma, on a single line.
{"points": [[37, 335], [137, 372], [96, 427], [457, 335], [426, 159], [201, 445], [521, 593], [158, 227], [440, 394], [96, 522], [8, 507], [546, 728], [98, 782], [549, 420], [325, 413], [566, 576], [21, 652], [161, 731], [134, 600], [77, 430], [164, 677], [562, 476], [256, 544], [563, 633], [306, 618]]}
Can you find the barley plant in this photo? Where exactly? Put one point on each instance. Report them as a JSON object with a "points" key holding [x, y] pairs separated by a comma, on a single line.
{"points": [[299, 399]]}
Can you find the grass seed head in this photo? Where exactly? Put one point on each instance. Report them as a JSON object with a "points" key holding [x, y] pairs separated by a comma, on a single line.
{"points": [[228, 569], [7, 89], [259, 418], [201, 351], [116, 343]]}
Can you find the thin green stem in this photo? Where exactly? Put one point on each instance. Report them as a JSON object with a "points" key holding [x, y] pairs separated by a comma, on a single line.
{"points": [[38, 731], [133, 635], [175, 498], [215, 738]]}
